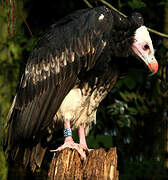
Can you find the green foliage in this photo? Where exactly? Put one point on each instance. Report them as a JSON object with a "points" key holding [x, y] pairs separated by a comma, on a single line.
{"points": [[132, 79], [124, 113], [164, 3], [99, 141], [146, 170], [9, 52], [136, 4], [3, 168], [11, 57], [11, 49]]}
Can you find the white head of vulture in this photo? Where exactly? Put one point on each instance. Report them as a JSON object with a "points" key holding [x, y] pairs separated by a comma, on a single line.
{"points": [[142, 47], [67, 75]]}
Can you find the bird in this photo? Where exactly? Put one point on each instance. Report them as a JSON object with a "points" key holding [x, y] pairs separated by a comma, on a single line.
{"points": [[74, 65]]}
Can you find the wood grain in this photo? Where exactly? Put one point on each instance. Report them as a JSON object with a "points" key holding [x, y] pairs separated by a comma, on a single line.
{"points": [[99, 165]]}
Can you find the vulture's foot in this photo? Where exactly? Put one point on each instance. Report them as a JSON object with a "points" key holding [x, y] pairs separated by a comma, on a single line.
{"points": [[69, 143]]}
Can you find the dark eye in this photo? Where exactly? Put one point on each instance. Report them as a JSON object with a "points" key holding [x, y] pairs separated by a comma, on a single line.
{"points": [[146, 47]]}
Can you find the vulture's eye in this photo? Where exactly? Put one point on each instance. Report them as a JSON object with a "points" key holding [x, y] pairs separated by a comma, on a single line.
{"points": [[146, 47]]}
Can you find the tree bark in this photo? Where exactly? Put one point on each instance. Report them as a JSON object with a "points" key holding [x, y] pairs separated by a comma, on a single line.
{"points": [[99, 165]]}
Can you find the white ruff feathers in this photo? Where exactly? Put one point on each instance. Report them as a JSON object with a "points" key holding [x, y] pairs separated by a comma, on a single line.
{"points": [[142, 34]]}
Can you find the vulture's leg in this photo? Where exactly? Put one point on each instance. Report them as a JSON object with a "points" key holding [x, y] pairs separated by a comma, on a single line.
{"points": [[69, 143], [82, 139]]}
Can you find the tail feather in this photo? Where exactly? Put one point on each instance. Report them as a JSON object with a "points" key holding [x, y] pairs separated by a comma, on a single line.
{"points": [[26, 156], [37, 156]]}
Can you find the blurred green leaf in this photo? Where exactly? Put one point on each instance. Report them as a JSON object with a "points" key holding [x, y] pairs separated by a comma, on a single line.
{"points": [[136, 4], [99, 140], [3, 166]]}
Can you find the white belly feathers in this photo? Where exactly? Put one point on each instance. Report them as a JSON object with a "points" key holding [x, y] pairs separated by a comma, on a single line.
{"points": [[80, 107]]}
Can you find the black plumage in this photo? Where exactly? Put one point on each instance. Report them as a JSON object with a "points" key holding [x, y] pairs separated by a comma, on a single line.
{"points": [[77, 50]]}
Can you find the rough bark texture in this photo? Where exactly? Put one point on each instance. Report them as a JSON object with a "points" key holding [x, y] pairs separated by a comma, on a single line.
{"points": [[99, 165]]}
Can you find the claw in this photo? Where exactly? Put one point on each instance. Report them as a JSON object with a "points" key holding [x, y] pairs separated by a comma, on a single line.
{"points": [[70, 144]]}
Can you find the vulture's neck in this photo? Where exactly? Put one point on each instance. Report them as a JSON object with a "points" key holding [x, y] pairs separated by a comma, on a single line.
{"points": [[120, 42]]}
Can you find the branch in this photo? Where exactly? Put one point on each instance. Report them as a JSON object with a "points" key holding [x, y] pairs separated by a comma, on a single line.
{"points": [[21, 14], [112, 7], [88, 4], [158, 33]]}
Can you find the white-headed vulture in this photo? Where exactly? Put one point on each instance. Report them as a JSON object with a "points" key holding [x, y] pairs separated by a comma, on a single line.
{"points": [[70, 71]]}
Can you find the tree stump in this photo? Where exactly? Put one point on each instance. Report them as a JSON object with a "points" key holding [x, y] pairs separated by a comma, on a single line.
{"points": [[99, 165]]}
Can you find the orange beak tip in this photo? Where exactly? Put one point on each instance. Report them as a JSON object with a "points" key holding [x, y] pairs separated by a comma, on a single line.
{"points": [[153, 67]]}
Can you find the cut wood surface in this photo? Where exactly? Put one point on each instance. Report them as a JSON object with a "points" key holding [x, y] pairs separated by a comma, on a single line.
{"points": [[99, 164]]}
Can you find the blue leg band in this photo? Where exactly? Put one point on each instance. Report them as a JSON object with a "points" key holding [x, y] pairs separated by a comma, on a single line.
{"points": [[67, 132]]}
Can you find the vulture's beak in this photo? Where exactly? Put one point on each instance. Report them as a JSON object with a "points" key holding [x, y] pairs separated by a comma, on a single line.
{"points": [[142, 47], [151, 62]]}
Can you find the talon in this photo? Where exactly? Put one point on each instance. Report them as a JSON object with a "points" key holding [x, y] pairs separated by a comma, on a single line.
{"points": [[72, 145], [69, 143]]}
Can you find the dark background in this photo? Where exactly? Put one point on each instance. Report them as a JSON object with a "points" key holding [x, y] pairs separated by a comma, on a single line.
{"points": [[133, 117]]}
